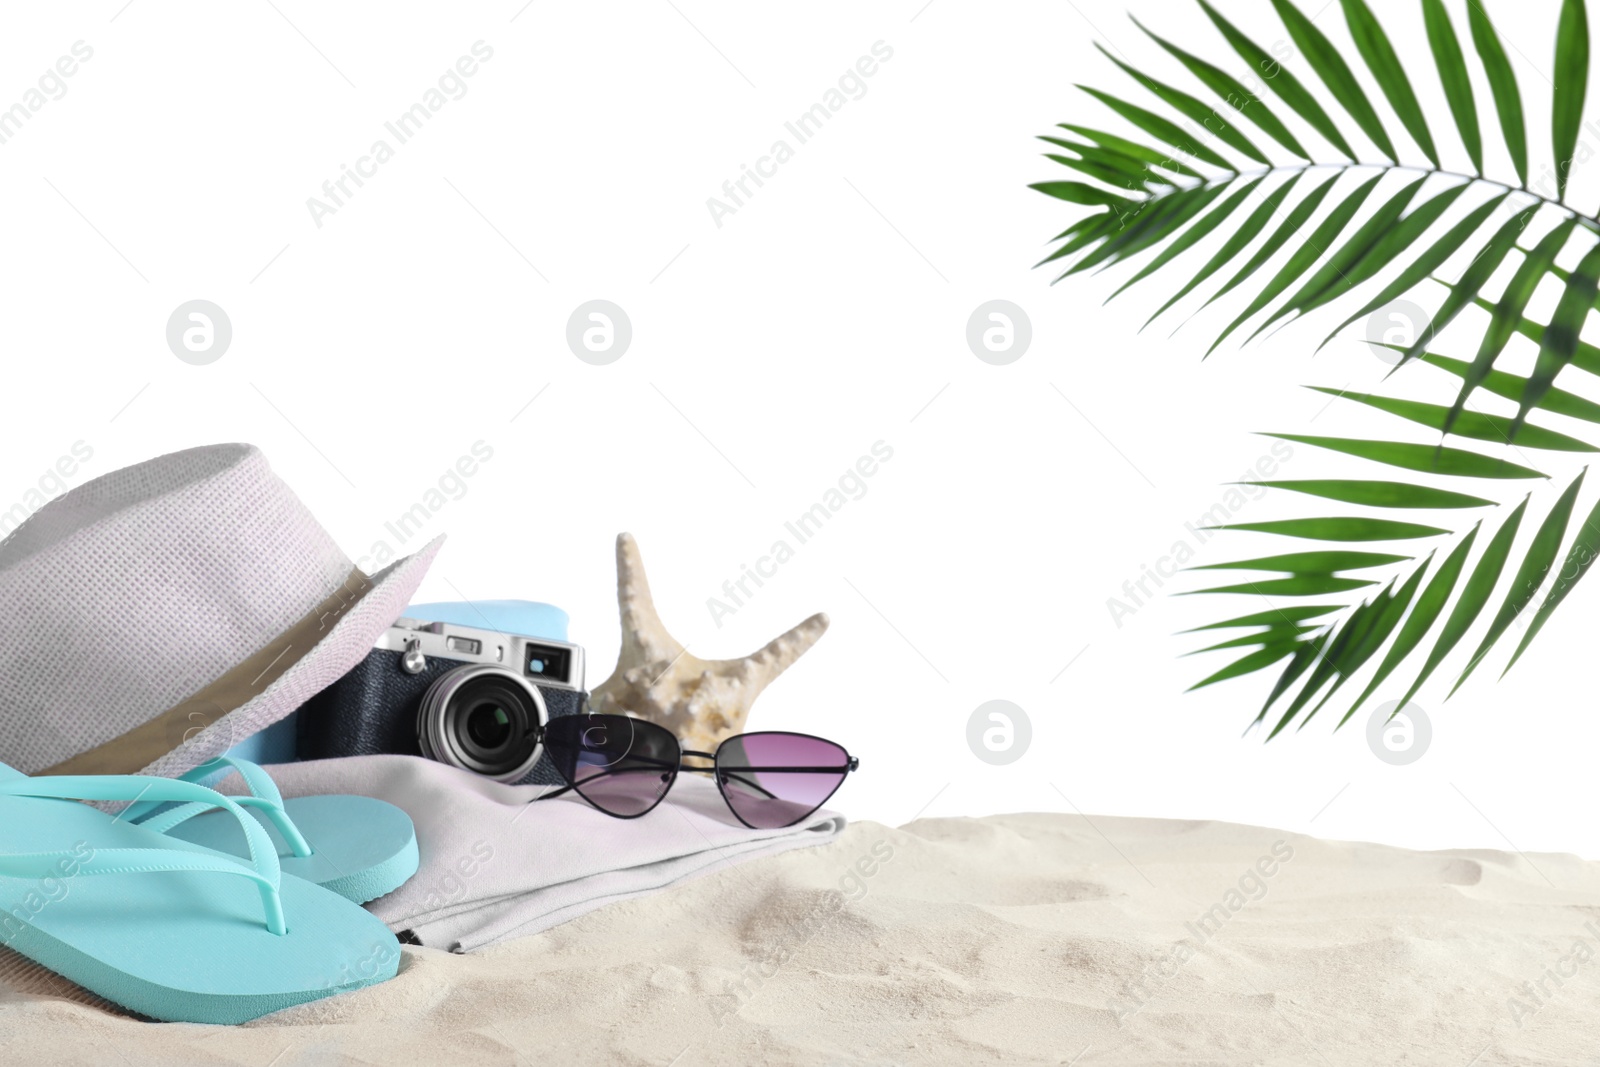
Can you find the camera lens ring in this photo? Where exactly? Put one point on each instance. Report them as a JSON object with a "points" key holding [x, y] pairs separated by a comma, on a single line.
{"points": [[444, 714]]}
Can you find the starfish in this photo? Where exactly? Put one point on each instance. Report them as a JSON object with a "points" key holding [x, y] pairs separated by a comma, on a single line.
{"points": [[702, 701]]}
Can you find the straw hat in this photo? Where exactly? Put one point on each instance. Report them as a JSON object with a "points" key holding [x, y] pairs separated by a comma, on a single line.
{"points": [[152, 618]]}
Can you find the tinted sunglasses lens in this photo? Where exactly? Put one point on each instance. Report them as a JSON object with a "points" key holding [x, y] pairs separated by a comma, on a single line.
{"points": [[772, 780], [622, 766]]}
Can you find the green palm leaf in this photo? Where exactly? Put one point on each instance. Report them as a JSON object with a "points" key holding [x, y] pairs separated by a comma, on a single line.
{"points": [[1297, 585], [1159, 190], [1380, 248], [1503, 85], [1193, 109], [1374, 46], [1508, 313], [1422, 619], [1301, 259], [1340, 656], [1234, 94], [1146, 223], [1424, 265], [1474, 425], [1339, 528], [1272, 635], [1341, 266], [1381, 494], [1335, 74], [1473, 279], [1277, 616], [1281, 81], [1571, 84], [1556, 401], [1388, 611], [1309, 653], [1579, 558], [1430, 459], [1192, 235], [1291, 225], [1077, 192], [1452, 64], [1110, 168], [1161, 128], [1530, 576], [1474, 595], [1110, 142], [1235, 244], [1255, 661], [1561, 336], [1327, 562]]}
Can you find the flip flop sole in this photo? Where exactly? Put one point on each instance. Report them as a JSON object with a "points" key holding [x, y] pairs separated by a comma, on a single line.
{"points": [[362, 848], [178, 946]]}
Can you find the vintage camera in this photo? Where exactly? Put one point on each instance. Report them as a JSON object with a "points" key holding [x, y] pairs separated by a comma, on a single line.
{"points": [[468, 697]]}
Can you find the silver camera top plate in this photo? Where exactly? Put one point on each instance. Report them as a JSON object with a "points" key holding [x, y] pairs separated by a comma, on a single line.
{"points": [[560, 663]]}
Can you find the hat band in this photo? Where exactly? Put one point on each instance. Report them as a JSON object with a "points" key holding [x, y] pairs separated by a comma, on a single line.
{"points": [[143, 745]]}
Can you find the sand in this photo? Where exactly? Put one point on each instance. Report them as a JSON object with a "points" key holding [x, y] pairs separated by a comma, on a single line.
{"points": [[1050, 939]]}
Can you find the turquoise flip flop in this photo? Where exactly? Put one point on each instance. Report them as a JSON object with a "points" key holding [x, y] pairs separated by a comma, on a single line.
{"points": [[358, 847], [144, 921]]}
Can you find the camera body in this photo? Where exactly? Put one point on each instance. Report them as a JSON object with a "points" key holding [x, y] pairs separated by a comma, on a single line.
{"points": [[470, 697]]}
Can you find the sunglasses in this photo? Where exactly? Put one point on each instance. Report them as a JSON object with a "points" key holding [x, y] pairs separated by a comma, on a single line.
{"points": [[625, 766]]}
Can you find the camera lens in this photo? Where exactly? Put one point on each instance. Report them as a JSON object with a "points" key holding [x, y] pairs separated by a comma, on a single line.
{"points": [[488, 726], [482, 718]]}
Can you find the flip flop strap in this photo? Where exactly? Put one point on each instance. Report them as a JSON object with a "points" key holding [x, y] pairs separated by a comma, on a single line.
{"points": [[256, 780], [263, 855], [41, 865], [265, 798]]}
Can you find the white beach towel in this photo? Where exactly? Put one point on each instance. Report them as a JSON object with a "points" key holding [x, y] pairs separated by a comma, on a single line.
{"points": [[495, 866]]}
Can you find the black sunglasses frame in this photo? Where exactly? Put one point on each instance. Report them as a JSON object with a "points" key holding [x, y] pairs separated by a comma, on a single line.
{"points": [[721, 775]]}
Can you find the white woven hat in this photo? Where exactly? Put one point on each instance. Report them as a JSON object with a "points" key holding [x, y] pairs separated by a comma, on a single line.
{"points": [[155, 616]]}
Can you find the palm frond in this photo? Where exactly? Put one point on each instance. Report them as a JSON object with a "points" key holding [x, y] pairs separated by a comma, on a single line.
{"points": [[1188, 179]]}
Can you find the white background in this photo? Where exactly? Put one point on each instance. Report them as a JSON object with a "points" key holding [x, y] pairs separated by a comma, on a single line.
{"points": [[769, 353]]}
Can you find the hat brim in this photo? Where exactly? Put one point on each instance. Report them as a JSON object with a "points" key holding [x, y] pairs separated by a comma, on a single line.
{"points": [[346, 642]]}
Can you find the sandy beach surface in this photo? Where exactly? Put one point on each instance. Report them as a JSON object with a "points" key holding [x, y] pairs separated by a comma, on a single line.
{"points": [[1038, 939]]}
